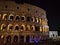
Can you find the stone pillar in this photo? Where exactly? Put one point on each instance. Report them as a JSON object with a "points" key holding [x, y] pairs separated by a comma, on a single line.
{"points": [[4, 39], [12, 39], [25, 39]]}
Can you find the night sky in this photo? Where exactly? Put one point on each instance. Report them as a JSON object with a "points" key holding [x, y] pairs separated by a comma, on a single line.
{"points": [[52, 8]]}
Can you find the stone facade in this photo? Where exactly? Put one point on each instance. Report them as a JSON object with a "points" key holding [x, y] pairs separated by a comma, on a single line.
{"points": [[53, 34], [22, 22]]}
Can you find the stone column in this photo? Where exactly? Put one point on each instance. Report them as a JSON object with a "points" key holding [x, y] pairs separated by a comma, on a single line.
{"points": [[4, 39], [12, 37]]}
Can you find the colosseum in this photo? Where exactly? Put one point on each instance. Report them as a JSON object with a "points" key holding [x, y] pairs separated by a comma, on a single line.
{"points": [[21, 23]]}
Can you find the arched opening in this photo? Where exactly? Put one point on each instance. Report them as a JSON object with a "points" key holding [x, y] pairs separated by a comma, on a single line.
{"points": [[37, 28], [11, 17], [17, 18], [15, 39], [21, 39], [27, 18], [27, 38], [23, 18], [8, 39], [32, 19], [33, 28], [3, 27], [10, 27], [53, 35], [4, 17], [22, 27], [28, 27], [16, 27], [37, 20]]}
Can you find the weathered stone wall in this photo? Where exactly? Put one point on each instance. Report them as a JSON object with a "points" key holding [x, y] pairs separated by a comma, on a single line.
{"points": [[11, 8]]}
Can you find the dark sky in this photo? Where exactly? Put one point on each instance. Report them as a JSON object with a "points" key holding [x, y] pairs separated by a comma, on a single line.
{"points": [[52, 8]]}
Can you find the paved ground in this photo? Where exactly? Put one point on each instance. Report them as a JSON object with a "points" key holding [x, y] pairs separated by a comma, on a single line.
{"points": [[41, 43]]}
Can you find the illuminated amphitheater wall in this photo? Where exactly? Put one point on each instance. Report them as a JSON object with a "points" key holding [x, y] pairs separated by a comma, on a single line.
{"points": [[22, 23]]}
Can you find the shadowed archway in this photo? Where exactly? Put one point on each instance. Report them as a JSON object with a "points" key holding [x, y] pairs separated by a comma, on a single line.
{"points": [[8, 39], [21, 39], [27, 38], [15, 39]]}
